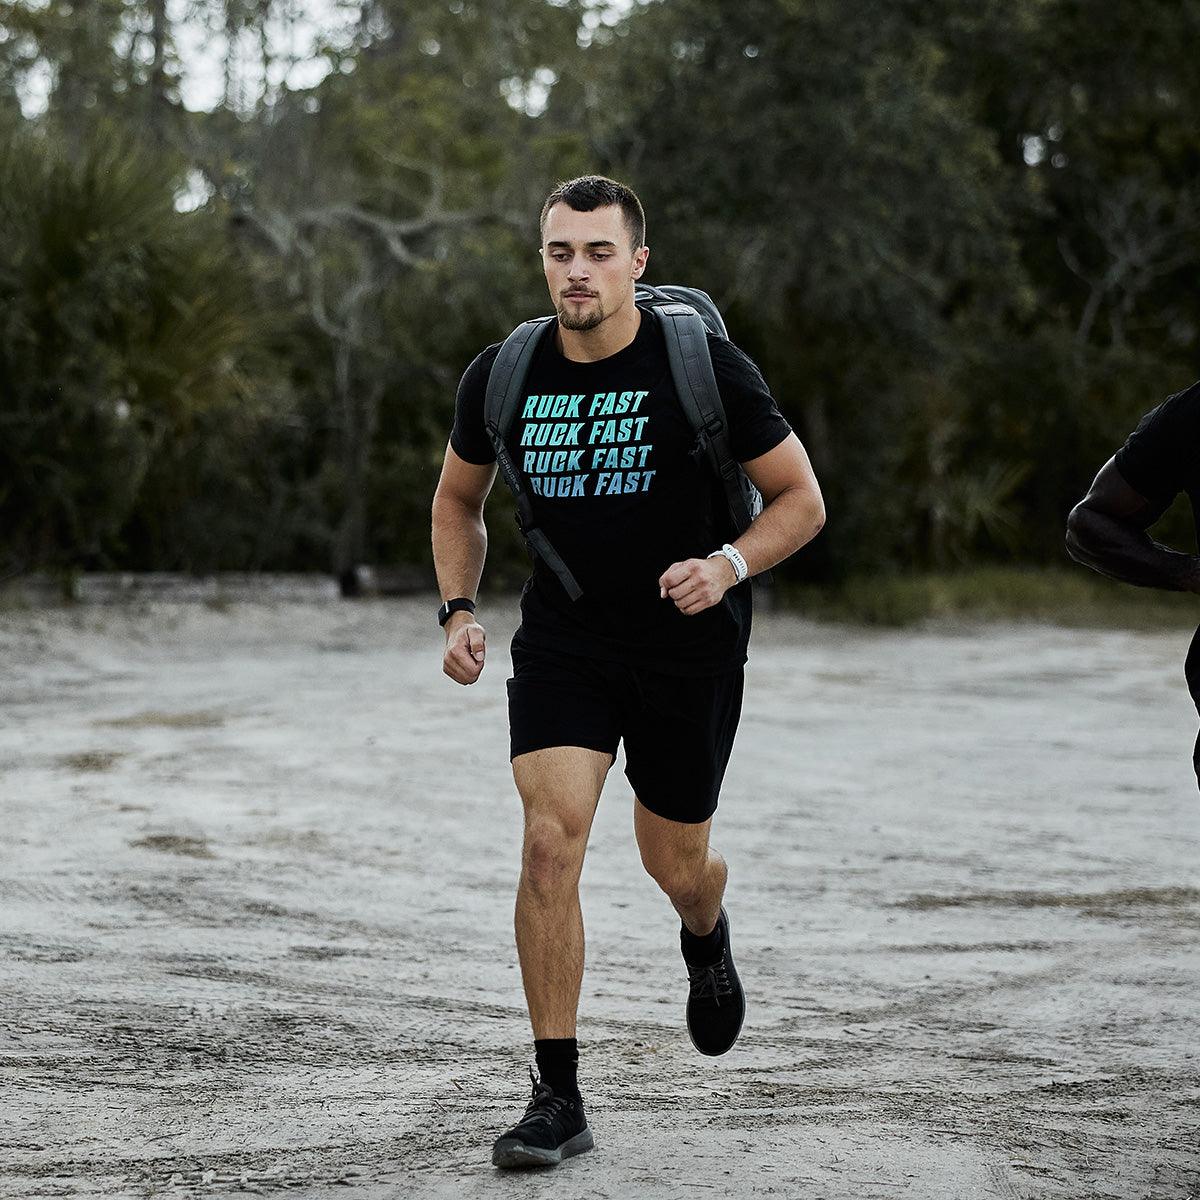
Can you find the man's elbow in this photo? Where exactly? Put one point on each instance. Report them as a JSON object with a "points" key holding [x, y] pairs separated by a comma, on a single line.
{"points": [[816, 517], [1088, 537], [809, 516], [450, 508], [1077, 535]]}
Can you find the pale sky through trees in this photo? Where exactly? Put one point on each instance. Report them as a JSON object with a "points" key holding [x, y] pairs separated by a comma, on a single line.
{"points": [[286, 52], [294, 37]]}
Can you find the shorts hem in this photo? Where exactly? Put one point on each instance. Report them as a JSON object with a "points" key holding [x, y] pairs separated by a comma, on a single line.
{"points": [[514, 753], [673, 816]]}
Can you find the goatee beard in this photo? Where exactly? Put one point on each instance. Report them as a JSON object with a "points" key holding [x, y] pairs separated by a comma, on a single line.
{"points": [[581, 322]]}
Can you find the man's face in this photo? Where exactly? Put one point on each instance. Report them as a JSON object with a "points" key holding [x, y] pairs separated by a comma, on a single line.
{"points": [[590, 266]]}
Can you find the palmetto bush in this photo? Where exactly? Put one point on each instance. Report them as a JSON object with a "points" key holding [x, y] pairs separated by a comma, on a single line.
{"points": [[122, 323]]}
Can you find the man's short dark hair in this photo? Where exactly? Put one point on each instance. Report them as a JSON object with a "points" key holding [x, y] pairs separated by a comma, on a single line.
{"points": [[590, 192]]}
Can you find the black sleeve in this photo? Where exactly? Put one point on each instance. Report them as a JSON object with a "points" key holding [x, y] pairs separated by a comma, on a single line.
{"points": [[1159, 456], [755, 423], [469, 438]]}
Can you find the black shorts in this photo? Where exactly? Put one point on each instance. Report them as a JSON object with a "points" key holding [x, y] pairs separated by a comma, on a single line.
{"points": [[678, 731]]}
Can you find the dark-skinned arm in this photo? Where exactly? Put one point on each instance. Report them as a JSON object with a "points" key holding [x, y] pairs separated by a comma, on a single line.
{"points": [[1107, 531]]}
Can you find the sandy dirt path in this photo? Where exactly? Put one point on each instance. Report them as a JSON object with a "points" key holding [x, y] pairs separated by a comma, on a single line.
{"points": [[256, 880]]}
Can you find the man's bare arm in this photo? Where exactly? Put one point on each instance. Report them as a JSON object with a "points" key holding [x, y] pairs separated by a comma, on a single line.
{"points": [[793, 508], [459, 551], [1107, 531], [793, 514]]}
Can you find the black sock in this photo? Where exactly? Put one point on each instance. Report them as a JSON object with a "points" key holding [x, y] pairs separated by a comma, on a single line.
{"points": [[558, 1065], [702, 948]]}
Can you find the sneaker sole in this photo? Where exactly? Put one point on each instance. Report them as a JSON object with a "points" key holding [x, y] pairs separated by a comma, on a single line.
{"points": [[512, 1154]]}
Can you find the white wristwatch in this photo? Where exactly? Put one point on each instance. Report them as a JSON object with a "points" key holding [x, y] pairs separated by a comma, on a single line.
{"points": [[736, 561]]}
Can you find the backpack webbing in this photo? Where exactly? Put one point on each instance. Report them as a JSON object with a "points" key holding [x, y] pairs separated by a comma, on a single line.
{"points": [[696, 386], [506, 382]]}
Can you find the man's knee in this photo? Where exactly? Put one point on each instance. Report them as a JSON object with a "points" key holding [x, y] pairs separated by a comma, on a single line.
{"points": [[552, 856], [559, 788], [680, 874]]}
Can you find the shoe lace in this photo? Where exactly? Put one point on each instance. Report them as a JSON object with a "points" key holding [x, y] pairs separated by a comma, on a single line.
{"points": [[710, 982], [544, 1106]]}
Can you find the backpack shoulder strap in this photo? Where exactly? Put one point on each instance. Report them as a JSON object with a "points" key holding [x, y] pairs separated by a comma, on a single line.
{"points": [[507, 378], [505, 390], [696, 384]]}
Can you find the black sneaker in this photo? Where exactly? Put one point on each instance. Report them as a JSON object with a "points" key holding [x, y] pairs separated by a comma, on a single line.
{"points": [[551, 1130], [716, 1004]]}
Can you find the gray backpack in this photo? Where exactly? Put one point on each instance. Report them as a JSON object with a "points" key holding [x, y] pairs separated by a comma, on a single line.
{"points": [[685, 315]]}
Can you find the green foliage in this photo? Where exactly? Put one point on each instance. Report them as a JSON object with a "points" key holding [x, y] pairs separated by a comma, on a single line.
{"points": [[117, 329], [990, 593], [852, 227], [907, 271], [960, 238], [391, 204]]}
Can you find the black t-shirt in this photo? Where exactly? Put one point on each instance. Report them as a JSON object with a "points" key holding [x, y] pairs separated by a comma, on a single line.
{"points": [[1161, 457], [606, 448]]}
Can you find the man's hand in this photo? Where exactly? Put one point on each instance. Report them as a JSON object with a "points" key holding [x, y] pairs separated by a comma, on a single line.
{"points": [[697, 583], [463, 660]]}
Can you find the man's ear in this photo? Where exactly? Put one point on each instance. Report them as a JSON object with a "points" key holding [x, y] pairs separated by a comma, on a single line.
{"points": [[639, 261]]}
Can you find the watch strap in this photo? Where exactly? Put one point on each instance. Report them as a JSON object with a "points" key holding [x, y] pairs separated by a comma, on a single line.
{"points": [[461, 604], [736, 561]]}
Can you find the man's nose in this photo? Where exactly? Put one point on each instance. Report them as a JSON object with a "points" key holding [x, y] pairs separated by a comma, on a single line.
{"points": [[578, 268]]}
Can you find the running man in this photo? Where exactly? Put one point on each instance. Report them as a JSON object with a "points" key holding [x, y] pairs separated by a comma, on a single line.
{"points": [[651, 654]]}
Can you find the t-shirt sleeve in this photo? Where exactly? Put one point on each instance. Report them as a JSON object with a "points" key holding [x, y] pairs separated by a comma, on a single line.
{"points": [[1158, 458], [469, 437], [755, 423]]}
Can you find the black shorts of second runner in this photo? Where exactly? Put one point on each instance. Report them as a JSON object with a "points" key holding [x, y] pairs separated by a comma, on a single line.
{"points": [[678, 731]]}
